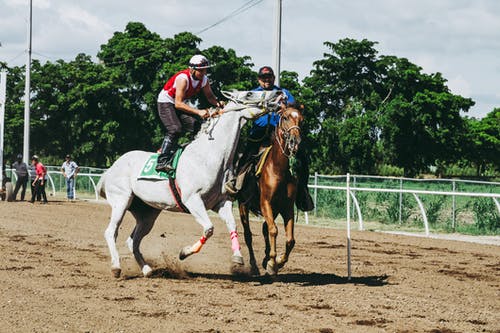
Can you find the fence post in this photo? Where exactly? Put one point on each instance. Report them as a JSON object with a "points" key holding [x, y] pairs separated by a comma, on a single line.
{"points": [[400, 199], [348, 204], [353, 185], [315, 193], [453, 206]]}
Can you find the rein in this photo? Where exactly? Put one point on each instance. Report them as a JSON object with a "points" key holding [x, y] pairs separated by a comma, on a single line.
{"points": [[286, 134]]}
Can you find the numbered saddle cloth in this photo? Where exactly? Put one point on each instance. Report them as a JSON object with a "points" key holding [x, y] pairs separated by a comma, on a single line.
{"points": [[148, 171]]}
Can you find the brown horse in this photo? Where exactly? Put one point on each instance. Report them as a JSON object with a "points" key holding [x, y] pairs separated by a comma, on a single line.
{"points": [[276, 191]]}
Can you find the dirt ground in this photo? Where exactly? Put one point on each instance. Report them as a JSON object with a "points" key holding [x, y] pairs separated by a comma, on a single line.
{"points": [[55, 277]]}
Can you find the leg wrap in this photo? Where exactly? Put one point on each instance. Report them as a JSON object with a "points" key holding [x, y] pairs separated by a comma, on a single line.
{"points": [[235, 244]]}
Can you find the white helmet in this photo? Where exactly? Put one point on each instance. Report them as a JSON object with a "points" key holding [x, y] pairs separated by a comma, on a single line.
{"points": [[199, 62]]}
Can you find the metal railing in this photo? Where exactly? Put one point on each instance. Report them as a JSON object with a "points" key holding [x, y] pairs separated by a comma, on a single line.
{"points": [[86, 187]]}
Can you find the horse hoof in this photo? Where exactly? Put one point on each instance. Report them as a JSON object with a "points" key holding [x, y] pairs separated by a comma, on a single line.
{"points": [[185, 252], [147, 271], [281, 262], [271, 269], [237, 260], [254, 271], [116, 272], [264, 262]]}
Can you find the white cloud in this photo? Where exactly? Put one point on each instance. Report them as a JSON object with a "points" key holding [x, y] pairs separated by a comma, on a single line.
{"points": [[459, 86], [80, 20]]}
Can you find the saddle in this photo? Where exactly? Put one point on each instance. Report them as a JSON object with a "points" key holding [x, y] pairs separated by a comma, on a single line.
{"points": [[148, 171]]}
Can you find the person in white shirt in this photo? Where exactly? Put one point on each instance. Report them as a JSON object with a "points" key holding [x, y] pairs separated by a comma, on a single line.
{"points": [[69, 170]]}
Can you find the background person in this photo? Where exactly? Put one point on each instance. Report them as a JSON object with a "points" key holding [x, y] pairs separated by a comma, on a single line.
{"points": [[39, 182], [69, 170], [21, 170], [174, 111], [32, 174]]}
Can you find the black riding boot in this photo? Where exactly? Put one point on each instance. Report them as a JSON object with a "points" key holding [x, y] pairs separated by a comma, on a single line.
{"points": [[168, 148]]}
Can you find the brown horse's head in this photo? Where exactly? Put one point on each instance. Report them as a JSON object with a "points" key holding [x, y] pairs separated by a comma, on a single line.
{"points": [[288, 129]]}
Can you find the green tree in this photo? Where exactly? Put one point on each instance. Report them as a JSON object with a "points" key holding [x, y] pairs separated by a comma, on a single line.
{"points": [[483, 142], [381, 109]]}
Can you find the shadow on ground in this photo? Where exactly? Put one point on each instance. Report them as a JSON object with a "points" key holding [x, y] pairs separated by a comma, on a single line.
{"points": [[303, 279]]}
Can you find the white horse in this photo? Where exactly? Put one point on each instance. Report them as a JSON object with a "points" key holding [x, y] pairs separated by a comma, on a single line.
{"points": [[202, 171]]}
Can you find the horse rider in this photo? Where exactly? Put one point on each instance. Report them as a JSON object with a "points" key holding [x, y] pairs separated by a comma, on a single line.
{"points": [[261, 133], [174, 111]]}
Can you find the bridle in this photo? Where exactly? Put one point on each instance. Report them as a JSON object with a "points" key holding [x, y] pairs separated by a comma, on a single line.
{"points": [[265, 104], [287, 142]]}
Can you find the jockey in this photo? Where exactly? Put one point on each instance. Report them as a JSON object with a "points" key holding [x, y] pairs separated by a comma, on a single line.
{"points": [[266, 123], [174, 111], [261, 133]]}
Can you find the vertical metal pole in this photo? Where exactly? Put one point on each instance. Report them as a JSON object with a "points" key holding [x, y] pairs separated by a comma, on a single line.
{"points": [[400, 199], [348, 209], [3, 99], [315, 194], [354, 185], [453, 204], [26, 145], [277, 44]]}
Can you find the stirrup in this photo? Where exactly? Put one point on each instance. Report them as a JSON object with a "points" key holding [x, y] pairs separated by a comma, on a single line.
{"points": [[164, 168]]}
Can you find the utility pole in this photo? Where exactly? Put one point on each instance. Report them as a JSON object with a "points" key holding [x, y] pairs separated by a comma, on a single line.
{"points": [[3, 98], [277, 43], [26, 145]]}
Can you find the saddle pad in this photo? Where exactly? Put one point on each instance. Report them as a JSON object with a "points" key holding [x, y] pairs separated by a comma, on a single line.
{"points": [[148, 171]]}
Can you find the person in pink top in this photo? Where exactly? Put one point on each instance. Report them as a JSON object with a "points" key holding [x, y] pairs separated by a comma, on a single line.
{"points": [[39, 182]]}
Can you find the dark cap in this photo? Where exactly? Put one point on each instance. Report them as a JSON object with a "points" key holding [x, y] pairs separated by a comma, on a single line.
{"points": [[266, 70], [68, 156]]}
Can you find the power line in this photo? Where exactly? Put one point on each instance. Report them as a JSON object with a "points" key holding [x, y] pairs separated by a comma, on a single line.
{"points": [[17, 56], [245, 7]]}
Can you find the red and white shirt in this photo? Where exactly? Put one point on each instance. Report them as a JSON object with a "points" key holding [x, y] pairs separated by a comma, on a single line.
{"points": [[167, 94]]}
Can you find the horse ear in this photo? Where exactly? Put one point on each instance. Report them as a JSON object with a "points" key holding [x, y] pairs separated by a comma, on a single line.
{"points": [[301, 107]]}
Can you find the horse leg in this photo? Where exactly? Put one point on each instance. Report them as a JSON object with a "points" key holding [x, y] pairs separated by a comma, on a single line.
{"points": [[287, 212], [117, 212], [245, 221], [267, 212], [288, 219], [197, 208], [145, 218], [267, 248], [226, 213]]}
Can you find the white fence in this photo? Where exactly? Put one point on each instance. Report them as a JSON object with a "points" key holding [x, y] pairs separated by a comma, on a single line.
{"points": [[87, 182], [353, 180]]}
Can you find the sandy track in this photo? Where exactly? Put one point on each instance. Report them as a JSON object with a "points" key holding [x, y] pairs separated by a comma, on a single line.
{"points": [[55, 277]]}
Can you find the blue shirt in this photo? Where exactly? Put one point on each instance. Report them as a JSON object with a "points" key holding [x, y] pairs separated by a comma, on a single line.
{"points": [[271, 118]]}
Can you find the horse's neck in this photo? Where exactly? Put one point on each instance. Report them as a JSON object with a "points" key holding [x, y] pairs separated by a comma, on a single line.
{"points": [[220, 141]]}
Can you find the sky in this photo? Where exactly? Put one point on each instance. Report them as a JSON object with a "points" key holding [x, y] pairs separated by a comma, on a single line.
{"points": [[458, 38]]}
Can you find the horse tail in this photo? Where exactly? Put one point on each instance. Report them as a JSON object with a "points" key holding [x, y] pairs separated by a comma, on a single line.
{"points": [[101, 187]]}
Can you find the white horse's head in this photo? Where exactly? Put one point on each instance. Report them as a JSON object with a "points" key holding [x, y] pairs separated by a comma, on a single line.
{"points": [[252, 104]]}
